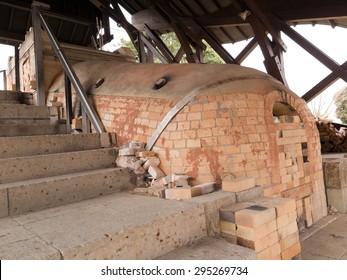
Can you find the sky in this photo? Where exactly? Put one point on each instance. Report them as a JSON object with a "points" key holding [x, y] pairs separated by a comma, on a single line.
{"points": [[302, 70]]}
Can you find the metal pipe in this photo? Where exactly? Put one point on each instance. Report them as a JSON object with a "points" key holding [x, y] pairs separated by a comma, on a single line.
{"points": [[68, 102], [16, 66], [4, 78], [90, 111]]}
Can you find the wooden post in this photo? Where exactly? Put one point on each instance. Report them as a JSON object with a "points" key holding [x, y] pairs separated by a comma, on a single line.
{"points": [[40, 87]]}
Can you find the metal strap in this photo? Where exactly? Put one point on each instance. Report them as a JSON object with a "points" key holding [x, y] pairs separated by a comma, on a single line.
{"points": [[184, 101]]}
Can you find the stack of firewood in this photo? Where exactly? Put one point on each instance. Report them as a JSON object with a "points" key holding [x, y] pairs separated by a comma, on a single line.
{"points": [[332, 139]]}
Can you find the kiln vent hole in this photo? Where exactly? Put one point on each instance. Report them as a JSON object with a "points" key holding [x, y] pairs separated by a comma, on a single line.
{"points": [[160, 83]]}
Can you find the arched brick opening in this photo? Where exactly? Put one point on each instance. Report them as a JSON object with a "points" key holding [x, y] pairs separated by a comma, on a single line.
{"points": [[294, 155]]}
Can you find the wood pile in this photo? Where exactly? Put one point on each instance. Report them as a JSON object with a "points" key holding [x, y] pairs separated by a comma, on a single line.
{"points": [[152, 180], [332, 139]]}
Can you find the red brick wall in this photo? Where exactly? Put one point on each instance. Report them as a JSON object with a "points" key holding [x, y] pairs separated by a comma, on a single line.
{"points": [[219, 134]]}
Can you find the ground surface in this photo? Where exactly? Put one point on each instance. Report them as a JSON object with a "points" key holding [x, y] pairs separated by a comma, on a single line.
{"points": [[327, 240]]}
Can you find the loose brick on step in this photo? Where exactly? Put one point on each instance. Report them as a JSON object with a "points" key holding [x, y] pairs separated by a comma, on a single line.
{"points": [[237, 184], [155, 172], [178, 193], [202, 189]]}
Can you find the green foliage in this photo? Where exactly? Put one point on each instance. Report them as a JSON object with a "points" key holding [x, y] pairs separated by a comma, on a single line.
{"points": [[210, 56], [340, 100], [172, 43]]}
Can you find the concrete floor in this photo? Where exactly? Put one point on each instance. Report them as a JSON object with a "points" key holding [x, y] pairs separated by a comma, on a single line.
{"points": [[326, 240]]}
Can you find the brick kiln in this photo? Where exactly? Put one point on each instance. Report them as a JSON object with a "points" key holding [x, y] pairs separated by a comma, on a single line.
{"points": [[237, 121]]}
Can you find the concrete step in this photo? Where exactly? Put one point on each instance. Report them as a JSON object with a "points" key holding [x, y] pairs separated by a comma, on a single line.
{"points": [[210, 248], [31, 129], [116, 226], [22, 111], [33, 195], [10, 97], [15, 122], [50, 144], [34, 167]]}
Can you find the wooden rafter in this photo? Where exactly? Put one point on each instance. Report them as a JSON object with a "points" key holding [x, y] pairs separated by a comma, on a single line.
{"points": [[179, 55], [160, 44], [322, 85], [165, 7], [246, 51], [311, 49], [218, 48], [117, 15], [152, 47], [272, 62], [186, 37], [183, 39], [141, 49], [263, 18]]}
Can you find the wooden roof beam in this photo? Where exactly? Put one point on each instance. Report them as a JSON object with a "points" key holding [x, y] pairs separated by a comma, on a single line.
{"points": [[160, 44], [225, 17], [218, 48], [311, 49], [117, 15], [246, 51], [273, 64], [322, 85], [152, 47], [164, 7], [182, 38], [179, 55], [263, 18], [12, 37]]}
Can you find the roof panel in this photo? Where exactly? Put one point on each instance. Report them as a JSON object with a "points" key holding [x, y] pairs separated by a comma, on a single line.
{"points": [[208, 13], [13, 26], [19, 25]]}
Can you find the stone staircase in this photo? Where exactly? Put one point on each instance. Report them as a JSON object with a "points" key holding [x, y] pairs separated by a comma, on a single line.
{"points": [[18, 119], [42, 168], [62, 197]]}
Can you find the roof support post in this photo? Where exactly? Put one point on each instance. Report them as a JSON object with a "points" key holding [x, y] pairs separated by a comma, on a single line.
{"points": [[39, 73]]}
